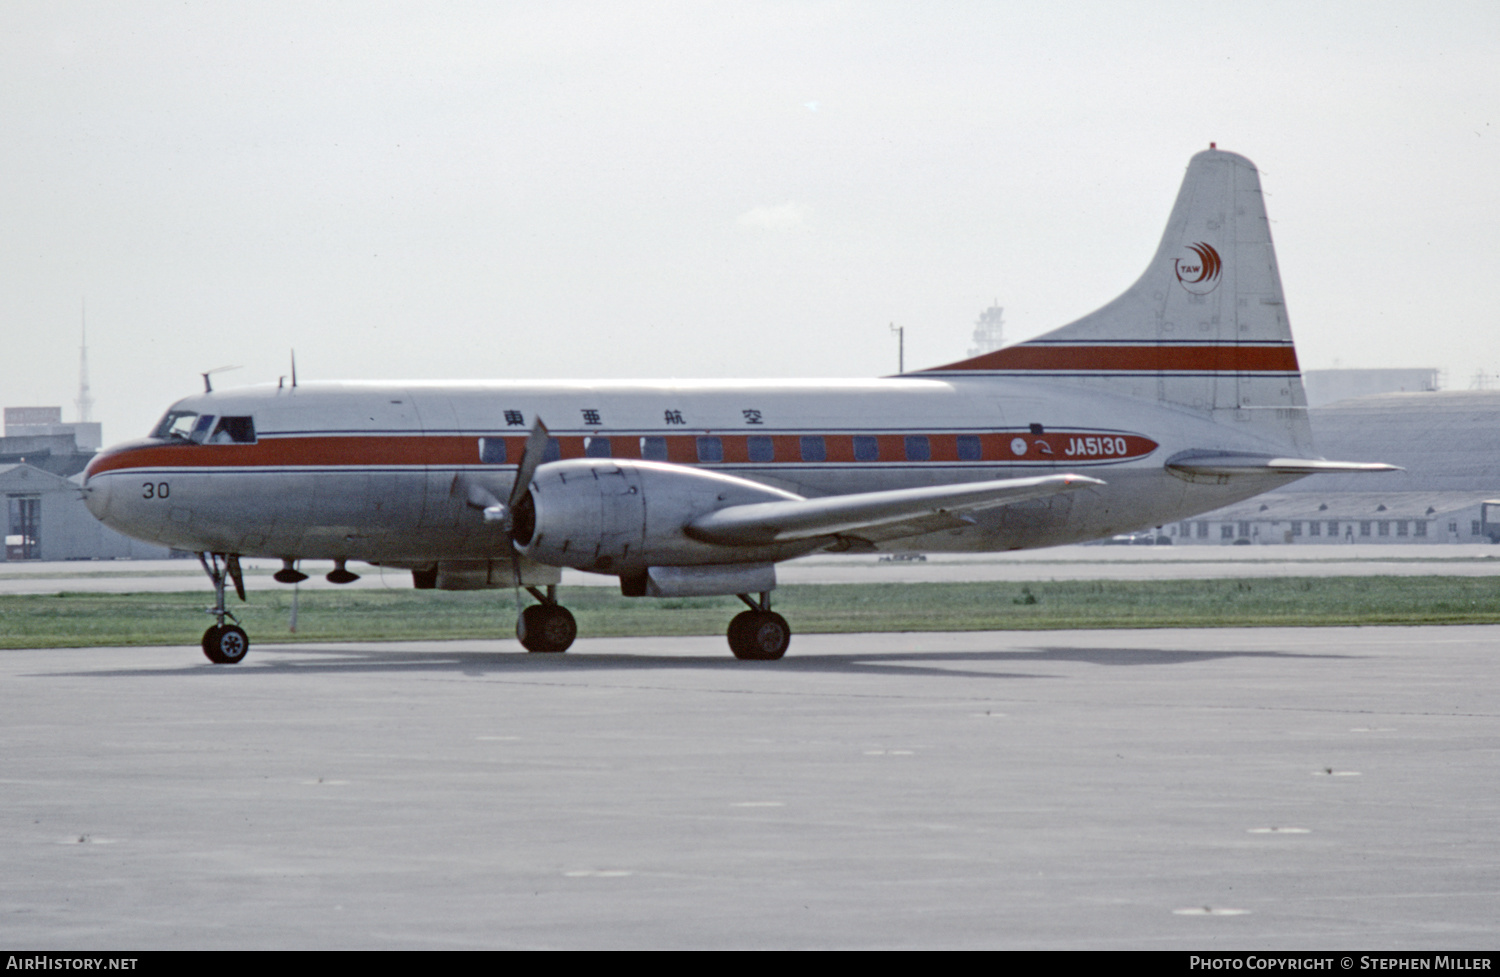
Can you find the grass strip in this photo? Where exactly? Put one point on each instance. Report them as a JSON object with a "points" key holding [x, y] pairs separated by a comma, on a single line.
{"points": [[98, 619]]}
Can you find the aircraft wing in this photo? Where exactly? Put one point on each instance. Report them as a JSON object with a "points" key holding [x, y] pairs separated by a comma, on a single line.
{"points": [[873, 515]]}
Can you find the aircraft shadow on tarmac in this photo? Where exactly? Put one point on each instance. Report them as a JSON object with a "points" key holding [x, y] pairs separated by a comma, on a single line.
{"points": [[336, 658]]}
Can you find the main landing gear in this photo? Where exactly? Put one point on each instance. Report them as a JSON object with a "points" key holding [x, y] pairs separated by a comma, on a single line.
{"points": [[759, 634], [224, 644], [548, 626]]}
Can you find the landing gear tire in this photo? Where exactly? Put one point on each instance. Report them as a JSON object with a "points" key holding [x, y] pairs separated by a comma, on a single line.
{"points": [[546, 628], [759, 636], [226, 644]]}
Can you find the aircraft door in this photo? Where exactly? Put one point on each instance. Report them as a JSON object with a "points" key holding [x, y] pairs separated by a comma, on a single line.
{"points": [[433, 415]]}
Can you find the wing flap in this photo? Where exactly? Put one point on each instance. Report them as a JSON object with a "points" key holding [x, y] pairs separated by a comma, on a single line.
{"points": [[883, 515]]}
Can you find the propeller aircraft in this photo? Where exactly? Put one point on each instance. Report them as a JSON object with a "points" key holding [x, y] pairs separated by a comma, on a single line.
{"points": [[1180, 396]]}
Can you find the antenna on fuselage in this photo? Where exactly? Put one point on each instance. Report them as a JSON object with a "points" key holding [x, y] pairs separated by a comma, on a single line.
{"points": [[294, 367], [208, 387]]}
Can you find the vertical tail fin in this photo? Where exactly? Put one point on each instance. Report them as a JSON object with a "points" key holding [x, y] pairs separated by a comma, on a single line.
{"points": [[1205, 327]]}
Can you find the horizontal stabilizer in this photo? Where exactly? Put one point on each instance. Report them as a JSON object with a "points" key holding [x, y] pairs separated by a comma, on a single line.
{"points": [[1224, 465], [895, 513]]}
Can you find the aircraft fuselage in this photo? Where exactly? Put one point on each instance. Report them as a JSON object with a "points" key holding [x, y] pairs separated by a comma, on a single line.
{"points": [[379, 471]]}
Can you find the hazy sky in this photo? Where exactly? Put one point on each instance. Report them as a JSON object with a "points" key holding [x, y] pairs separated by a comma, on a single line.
{"points": [[531, 190]]}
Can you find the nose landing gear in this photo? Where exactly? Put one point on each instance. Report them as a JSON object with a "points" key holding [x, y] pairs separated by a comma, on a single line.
{"points": [[224, 644]]}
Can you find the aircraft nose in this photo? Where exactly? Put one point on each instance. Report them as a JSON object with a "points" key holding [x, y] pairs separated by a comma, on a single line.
{"points": [[96, 490], [96, 497]]}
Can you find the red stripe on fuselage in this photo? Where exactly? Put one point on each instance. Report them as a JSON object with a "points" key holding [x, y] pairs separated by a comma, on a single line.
{"points": [[318, 450], [458, 450], [1208, 358]]}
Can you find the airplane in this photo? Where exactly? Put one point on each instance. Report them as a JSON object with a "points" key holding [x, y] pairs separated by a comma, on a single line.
{"points": [[1180, 396]]}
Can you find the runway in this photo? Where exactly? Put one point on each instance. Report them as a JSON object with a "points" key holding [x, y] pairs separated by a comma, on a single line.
{"points": [[1187, 789]]}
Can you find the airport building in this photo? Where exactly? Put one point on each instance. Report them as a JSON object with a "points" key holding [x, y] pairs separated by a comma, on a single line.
{"points": [[1326, 387], [1448, 442], [41, 459], [46, 520], [32, 422], [1348, 517], [38, 437]]}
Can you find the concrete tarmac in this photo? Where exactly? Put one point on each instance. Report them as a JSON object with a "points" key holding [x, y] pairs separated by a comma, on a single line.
{"points": [[1057, 563], [1330, 788]]}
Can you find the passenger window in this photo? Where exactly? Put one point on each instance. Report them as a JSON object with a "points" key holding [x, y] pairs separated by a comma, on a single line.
{"points": [[710, 449], [866, 448], [596, 447], [813, 448], [492, 451], [917, 448], [968, 447], [234, 430], [761, 448], [654, 448]]}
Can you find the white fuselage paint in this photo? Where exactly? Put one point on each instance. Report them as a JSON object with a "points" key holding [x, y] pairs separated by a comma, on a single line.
{"points": [[378, 471]]}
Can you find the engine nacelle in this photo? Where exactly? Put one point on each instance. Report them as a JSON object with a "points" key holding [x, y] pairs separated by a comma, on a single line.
{"points": [[611, 515]]}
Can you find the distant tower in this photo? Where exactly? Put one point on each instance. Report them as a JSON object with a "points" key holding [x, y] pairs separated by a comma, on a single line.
{"points": [[989, 330], [85, 402]]}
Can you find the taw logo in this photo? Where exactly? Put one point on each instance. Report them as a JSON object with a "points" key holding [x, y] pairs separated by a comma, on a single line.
{"points": [[1198, 268]]}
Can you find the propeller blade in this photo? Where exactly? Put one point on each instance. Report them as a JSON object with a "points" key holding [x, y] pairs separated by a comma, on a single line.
{"points": [[531, 460], [515, 569], [476, 496]]}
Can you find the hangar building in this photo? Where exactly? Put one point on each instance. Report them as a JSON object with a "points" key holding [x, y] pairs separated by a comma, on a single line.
{"points": [[1449, 444], [46, 520]]}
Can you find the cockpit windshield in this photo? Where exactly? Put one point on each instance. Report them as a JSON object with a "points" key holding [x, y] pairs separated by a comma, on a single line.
{"points": [[180, 425], [187, 425]]}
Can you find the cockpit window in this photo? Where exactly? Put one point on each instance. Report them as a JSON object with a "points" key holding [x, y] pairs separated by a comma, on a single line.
{"points": [[201, 427], [234, 430], [178, 424], [187, 425]]}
